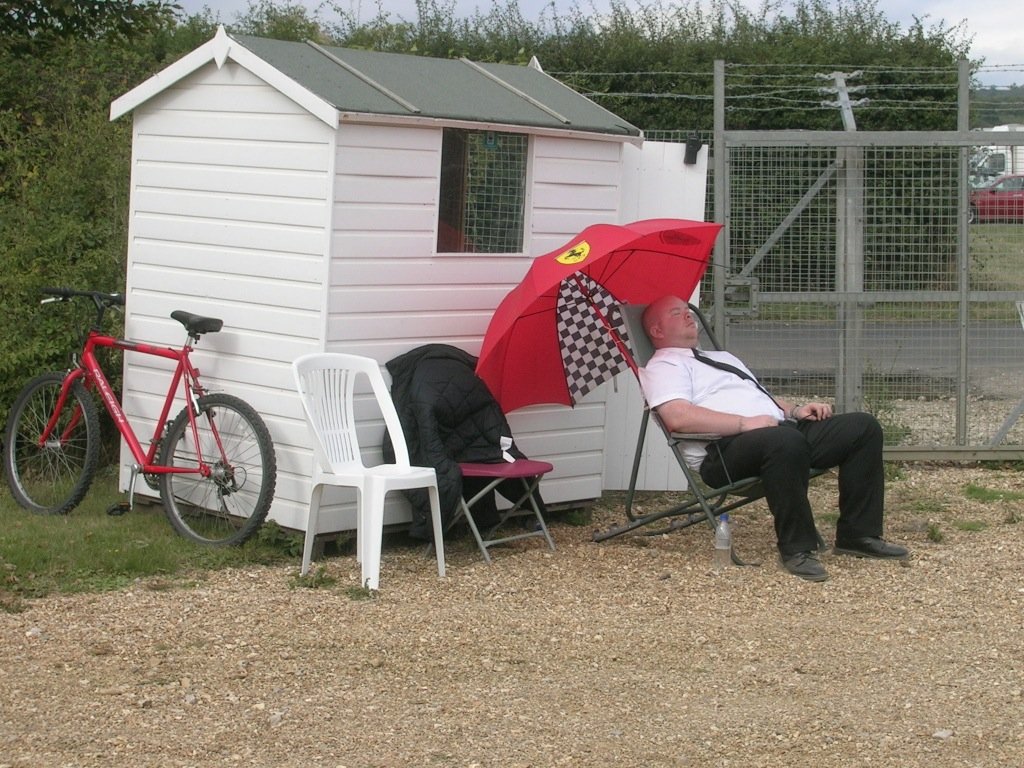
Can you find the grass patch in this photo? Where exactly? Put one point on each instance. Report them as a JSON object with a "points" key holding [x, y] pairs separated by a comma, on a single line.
{"points": [[925, 506], [828, 517], [89, 550], [894, 471], [880, 400], [316, 578], [972, 526], [996, 251], [359, 593], [989, 495]]}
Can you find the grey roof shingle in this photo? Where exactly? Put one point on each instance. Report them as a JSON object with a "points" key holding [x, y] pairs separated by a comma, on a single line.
{"points": [[402, 85]]}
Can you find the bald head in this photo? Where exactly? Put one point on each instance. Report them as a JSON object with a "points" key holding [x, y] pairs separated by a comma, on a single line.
{"points": [[668, 323]]}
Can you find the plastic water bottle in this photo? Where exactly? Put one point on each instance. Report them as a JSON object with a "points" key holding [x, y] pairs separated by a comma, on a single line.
{"points": [[723, 543]]}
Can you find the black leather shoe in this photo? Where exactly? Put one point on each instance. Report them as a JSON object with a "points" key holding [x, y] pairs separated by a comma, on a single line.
{"points": [[805, 565], [872, 546]]}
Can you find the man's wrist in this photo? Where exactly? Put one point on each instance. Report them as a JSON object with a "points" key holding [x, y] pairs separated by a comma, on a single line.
{"points": [[792, 413]]}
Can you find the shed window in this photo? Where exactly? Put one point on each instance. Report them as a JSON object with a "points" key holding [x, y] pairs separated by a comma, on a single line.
{"points": [[483, 188]]}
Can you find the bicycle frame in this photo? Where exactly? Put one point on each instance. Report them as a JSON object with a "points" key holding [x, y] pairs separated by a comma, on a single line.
{"points": [[89, 371], [211, 456]]}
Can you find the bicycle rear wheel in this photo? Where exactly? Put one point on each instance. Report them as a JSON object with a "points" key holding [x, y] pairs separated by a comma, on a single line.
{"points": [[53, 478], [230, 505]]}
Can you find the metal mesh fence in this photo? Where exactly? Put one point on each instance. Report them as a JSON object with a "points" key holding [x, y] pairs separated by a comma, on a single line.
{"points": [[850, 274], [866, 297]]}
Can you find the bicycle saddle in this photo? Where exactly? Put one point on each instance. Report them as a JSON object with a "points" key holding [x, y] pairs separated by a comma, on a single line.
{"points": [[197, 325]]}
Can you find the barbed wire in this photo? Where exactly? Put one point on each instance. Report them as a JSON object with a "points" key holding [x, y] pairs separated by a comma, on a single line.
{"points": [[642, 95], [753, 88], [646, 73], [946, 72], [862, 67]]}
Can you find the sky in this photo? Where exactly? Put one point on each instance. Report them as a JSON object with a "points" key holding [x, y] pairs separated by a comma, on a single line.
{"points": [[994, 25]]}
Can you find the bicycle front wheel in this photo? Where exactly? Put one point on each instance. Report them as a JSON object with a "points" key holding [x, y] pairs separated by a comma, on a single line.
{"points": [[229, 505], [52, 478]]}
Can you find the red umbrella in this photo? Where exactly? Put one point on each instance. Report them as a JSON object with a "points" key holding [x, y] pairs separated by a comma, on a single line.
{"points": [[554, 337]]}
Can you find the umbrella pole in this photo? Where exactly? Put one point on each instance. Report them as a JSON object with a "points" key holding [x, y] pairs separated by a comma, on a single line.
{"points": [[619, 343]]}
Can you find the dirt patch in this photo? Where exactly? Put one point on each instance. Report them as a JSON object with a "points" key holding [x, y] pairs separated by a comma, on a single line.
{"points": [[631, 652]]}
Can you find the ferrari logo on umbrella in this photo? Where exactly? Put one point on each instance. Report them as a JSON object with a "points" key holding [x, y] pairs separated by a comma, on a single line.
{"points": [[574, 255]]}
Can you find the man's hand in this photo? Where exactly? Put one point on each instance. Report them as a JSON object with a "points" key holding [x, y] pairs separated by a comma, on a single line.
{"points": [[812, 411]]}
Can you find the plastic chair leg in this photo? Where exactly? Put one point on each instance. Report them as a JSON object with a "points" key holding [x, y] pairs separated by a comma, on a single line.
{"points": [[371, 534], [435, 514], [361, 523], [311, 522]]}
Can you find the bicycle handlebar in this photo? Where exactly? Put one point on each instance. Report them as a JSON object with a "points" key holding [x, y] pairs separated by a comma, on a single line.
{"points": [[100, 299]]}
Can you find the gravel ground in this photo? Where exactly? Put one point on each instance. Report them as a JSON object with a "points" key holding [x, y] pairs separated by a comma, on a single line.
{"points": [[631, 652]]}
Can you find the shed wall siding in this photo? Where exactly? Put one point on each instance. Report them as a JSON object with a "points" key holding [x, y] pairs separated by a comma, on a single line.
{"points": [[302, 238], [229, 217], [390, 292]]}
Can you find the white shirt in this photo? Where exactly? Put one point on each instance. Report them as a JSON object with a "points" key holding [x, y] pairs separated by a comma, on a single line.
{"points": [[674, 374]]}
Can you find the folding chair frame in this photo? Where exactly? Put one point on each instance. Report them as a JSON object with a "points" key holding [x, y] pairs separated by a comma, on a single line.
{"points": [[527, 471], [704, 504]]}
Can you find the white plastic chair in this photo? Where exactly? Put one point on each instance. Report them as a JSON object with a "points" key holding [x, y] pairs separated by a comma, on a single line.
{"points": [[326, 384]]}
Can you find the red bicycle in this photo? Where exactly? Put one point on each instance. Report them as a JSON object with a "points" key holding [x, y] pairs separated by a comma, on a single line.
{"points": [[214, 464]]}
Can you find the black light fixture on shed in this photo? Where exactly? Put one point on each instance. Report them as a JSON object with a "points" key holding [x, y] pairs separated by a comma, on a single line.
{"points": [[692, 148]]}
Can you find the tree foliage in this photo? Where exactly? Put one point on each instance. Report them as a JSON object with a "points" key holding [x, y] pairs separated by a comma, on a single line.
{"points": [[64, 170], [284, 21], [29, 22], [64, 167], [998, 106]]}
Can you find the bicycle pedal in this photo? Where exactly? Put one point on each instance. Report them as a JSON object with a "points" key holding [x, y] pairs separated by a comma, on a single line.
{"points": [[118, 508]]}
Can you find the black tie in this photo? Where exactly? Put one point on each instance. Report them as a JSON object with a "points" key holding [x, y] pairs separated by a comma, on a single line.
{"points": [[698, 355]]}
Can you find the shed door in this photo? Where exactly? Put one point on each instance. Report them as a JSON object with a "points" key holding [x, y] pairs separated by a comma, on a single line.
{"points": [[656, 183]]}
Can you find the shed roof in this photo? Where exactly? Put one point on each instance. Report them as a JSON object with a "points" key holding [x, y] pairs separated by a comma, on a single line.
{"points": [[333, 82]]}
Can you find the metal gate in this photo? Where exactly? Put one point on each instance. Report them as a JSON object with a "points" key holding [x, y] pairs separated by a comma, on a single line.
{"points": [[848, 271]]}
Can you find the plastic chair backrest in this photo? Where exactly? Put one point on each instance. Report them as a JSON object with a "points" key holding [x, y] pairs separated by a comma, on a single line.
{"points": [[326, 383]]}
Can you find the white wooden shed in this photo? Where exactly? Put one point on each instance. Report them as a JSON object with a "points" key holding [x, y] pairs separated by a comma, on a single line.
{"points": [[306, 196]]}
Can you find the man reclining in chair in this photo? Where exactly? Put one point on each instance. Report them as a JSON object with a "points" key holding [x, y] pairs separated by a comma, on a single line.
{"points": [[767, 437]]}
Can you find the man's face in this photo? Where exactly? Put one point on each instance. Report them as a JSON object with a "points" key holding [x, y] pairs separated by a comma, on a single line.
{"points": [[674, 325]]}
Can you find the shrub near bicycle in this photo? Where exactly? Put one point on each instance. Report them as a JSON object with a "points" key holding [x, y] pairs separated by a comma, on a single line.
{"points": [[214, 464]]}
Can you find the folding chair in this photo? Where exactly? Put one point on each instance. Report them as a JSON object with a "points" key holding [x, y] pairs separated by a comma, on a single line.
{"points": [[452, 422], [529, 473], [326, 385], [703, 503]]}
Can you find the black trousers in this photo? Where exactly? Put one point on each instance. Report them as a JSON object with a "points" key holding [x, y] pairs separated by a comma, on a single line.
{"points": [[783, 457]]}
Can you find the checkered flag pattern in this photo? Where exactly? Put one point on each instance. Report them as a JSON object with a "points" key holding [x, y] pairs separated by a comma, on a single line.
{"points": [[589, 354]]}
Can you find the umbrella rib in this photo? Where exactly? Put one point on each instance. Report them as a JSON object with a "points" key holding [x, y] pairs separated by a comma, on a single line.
{"points": [[673, 254]]}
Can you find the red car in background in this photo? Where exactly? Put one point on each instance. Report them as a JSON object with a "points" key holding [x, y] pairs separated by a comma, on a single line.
{"points": [[1002, 200]]}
